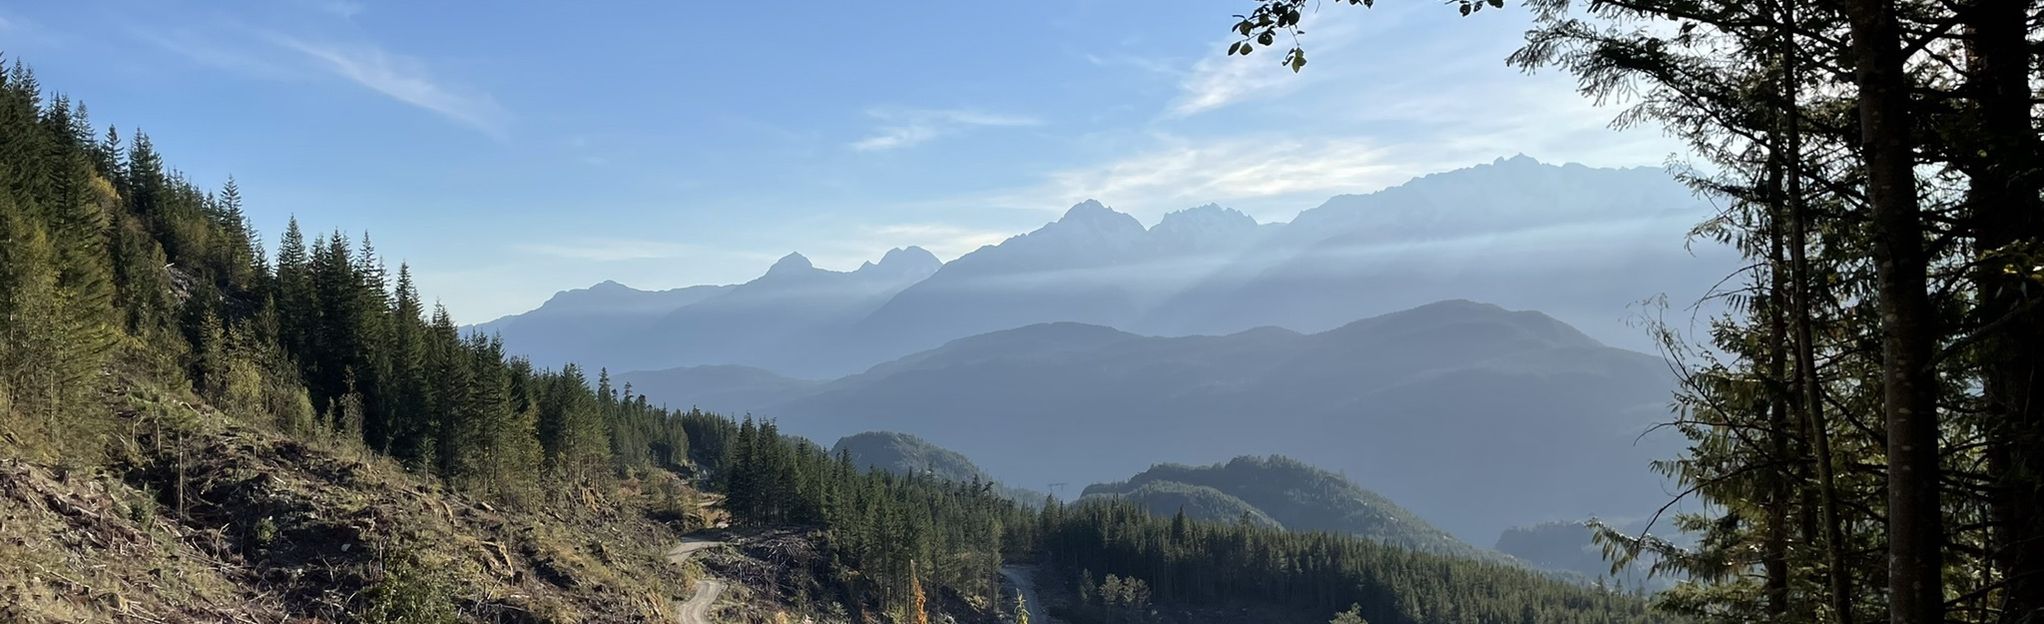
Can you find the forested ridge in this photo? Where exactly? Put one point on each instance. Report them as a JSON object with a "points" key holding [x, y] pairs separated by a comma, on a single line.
{"points": [[961, 531], [1289, 493], [1223, 564], [117, 270]]}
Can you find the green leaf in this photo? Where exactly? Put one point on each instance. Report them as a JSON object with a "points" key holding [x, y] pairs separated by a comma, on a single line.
{"points": [[1298, 60], [1499, 4], [1465, 9]]}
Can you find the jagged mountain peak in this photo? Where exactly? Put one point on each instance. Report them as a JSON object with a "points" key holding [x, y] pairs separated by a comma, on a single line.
{"points": [[794, 262], [1516, 159], [1206, 214], [1091, 213], [1085, 208], [910, 260], [1206, 226]]}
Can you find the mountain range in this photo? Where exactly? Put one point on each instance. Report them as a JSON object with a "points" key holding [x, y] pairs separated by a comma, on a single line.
{"points": [[1467, 413], [1584, 244], [783, 320]]}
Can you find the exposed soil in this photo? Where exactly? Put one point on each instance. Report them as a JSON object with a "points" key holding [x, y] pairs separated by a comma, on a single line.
{"points": [[199, 519]]}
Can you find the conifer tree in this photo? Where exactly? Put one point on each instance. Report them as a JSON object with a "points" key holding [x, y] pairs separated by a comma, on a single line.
{"points": [[297, 304], [110, 155], [411, 418], [570, 428], [240, 248], [33, 343]]}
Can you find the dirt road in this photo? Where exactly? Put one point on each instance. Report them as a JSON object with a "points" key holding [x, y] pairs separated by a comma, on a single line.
{"points": [[697, 609], [1023, 577], [688, 547]]}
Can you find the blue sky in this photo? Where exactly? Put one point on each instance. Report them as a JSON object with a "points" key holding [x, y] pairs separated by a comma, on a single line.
{"points": [[530, 147]]}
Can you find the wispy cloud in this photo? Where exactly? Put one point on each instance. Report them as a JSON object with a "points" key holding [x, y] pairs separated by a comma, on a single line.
{"points": [[367, 65], [404, 79], [904, 128], [1181, 172], [1218, 80], [212, 49], [610, 249], [346, 9], [1144, 63], [1273, 176]]}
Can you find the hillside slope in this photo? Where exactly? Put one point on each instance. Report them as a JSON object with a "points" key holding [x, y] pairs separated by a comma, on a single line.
{"points": [[203, 518]]}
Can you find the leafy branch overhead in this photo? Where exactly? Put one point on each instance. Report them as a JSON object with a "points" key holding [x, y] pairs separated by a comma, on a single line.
{"points": [[1261, 27]]}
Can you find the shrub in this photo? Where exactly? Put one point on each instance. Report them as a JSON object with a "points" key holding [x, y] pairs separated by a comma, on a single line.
{"points": [[407, 593]]}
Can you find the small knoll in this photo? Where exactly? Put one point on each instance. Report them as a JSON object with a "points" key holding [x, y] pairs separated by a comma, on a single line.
{"points": [[905, 454], [1284, 492], [1197, 502]]}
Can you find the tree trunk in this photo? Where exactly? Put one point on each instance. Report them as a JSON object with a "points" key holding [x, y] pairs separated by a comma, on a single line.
{"points": [[1909, 394], [2005, 210], [1774, 550], [1809, 383]]}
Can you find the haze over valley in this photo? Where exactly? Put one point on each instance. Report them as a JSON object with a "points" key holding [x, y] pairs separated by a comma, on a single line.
{"points": [[1094, 346]]}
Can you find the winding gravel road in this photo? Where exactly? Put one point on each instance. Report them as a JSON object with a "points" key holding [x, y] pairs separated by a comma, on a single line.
{"points": [[697, 609], [1023, 577], [688, 547]]}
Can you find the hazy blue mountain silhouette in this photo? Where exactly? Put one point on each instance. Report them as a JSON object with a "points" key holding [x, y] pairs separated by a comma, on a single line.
{"points": [[1580, 243], [569, 325], [781, 320], [1474, 416]]}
